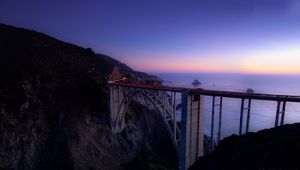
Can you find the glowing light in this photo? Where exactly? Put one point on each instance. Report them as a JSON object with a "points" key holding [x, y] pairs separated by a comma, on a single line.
{"points": [[278, 62], [272, 61]]}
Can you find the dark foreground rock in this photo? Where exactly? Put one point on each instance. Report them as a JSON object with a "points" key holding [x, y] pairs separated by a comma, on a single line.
{"points": [[54, 109], [276, 148]]}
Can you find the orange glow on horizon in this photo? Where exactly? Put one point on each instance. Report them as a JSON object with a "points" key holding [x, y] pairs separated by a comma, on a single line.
{"points": [[275, 62], [182, 66], [278, 61]]}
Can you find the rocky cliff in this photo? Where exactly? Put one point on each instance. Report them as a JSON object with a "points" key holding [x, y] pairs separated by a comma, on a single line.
{"points": [[276, 148], [54, 109]]}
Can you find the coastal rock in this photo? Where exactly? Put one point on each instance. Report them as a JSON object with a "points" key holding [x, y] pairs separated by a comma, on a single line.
{"points": [[196, 83], [249, 90]]}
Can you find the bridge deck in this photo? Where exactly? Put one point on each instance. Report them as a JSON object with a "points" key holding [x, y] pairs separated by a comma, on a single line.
{"points": [[231, 94]]}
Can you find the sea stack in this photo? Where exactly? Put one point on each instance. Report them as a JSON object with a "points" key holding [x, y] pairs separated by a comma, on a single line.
{"points": [[249, 90], [196, 83]]}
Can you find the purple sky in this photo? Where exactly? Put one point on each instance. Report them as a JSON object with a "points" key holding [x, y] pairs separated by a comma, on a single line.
{"points": [[244, 36]]}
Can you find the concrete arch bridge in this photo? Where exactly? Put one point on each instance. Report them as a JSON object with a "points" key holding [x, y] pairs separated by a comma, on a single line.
{"points": [[182, 111]]}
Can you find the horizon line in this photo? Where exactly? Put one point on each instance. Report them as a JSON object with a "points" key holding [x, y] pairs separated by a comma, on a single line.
{"points": [[212, 72]]}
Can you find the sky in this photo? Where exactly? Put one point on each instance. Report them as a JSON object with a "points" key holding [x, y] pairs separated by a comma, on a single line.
{"points": [[227, 36]]}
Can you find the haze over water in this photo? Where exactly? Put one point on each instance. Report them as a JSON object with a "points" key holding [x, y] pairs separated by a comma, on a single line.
{"points": [[262, 112]]}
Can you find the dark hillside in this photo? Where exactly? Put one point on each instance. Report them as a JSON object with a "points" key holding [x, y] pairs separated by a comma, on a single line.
{"points": [[53, 107], [276, 148], [138, 76], [28, 56]]}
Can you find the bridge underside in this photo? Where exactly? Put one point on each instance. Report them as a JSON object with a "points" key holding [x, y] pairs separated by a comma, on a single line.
{"points": [[181, 112]]}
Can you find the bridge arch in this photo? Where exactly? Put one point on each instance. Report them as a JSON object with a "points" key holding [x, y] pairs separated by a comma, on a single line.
{"points": [[187, 135], [167, 115]]}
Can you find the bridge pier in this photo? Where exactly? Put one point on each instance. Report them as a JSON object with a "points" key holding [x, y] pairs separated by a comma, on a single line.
{"points": [[192, 130], [116, 99], [188, 138]]}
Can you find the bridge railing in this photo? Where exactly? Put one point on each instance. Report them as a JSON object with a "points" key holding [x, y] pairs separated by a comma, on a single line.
{"points": [[214, 112]]}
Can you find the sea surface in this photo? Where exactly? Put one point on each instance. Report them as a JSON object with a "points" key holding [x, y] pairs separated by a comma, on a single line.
{"points": [[262, 114]]}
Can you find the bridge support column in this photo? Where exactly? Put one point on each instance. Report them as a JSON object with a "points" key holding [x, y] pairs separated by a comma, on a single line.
{"points": [[116, 97], [192, 129]]}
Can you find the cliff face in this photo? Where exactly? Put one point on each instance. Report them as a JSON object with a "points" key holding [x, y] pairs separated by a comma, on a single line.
{"points": [[54, 114]]}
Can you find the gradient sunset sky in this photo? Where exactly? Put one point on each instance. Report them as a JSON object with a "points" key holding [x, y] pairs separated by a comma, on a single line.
{"points": [[235, 36]]}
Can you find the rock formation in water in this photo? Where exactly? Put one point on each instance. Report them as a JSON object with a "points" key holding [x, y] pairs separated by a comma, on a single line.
{"points": [[249, 90], [54, 109], [196, 83]]}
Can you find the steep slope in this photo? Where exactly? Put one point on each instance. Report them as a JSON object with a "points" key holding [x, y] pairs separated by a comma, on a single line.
{"points": [[276, 148], [134, 75], [53, 108]]}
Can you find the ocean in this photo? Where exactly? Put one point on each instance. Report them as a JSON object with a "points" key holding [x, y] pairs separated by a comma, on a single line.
{"points": [[262, 114]]}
